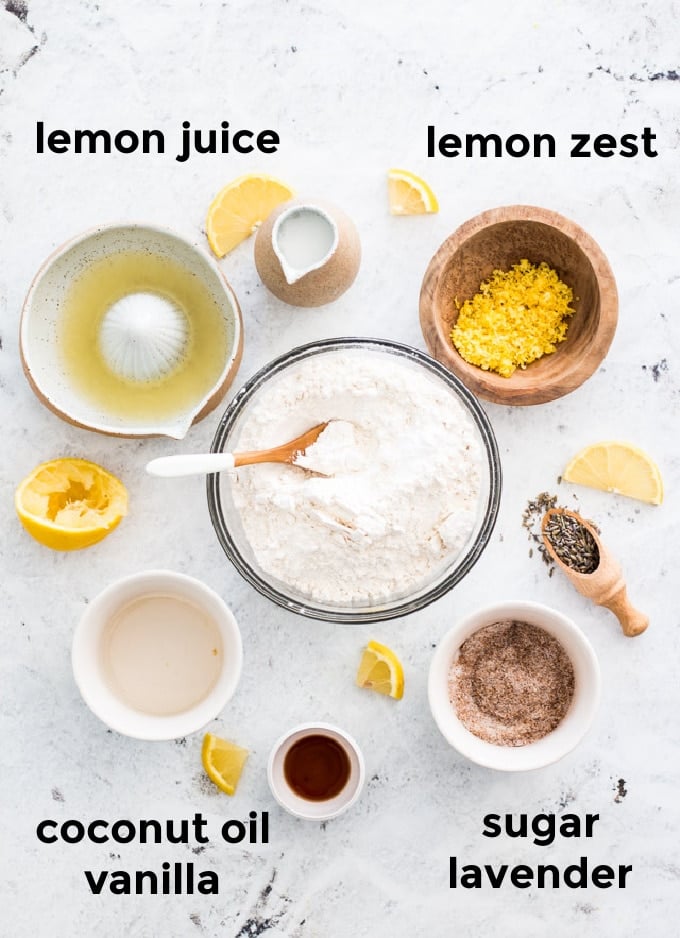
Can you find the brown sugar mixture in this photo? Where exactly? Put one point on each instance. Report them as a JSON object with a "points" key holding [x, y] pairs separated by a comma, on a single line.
{"points": [[511, 683]]}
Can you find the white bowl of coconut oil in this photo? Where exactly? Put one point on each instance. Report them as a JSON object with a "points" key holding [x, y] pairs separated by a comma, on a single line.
{"points": [[157, 655]]}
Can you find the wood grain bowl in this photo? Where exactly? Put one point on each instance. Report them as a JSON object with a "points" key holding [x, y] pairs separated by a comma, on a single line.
{"points": [[495, 240]]}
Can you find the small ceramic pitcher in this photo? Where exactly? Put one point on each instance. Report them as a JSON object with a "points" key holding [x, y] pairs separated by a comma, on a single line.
{"points": [[307, 253]]}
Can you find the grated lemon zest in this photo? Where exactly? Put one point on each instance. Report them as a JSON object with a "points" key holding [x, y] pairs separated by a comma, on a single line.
{"points": [[517, 316]]}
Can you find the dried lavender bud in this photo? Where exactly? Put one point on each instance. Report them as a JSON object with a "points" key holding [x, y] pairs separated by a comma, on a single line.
{"points": [[573, 543], [531, 522]]}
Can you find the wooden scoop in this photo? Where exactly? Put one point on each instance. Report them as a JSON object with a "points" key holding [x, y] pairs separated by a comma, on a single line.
{"points": [[202, 463], [604, 586]]}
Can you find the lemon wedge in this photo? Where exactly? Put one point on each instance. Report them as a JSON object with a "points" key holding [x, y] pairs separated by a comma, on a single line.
{"points": [[617, 467], [408, 194], [380, 670], [223, 761], [238, 209], [67, 504]]}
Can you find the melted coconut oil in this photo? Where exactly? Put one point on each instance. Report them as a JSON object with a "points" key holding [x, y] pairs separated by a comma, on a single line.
{"points": [[305, 238], [161, 654], [192, 374]]}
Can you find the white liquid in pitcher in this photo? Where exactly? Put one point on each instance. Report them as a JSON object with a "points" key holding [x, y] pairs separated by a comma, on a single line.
{"points": [[304, 238], [161, 654]]}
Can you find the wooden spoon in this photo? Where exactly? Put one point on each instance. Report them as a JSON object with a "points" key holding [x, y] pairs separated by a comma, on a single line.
{"points": [[201, 463], [605, 585]]}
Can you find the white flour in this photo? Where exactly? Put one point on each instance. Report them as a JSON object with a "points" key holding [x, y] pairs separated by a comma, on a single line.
{"points": [[400, 496]]}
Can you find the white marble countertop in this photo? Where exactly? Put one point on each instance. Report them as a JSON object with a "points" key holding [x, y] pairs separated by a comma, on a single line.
{"points": [[350, 87]]}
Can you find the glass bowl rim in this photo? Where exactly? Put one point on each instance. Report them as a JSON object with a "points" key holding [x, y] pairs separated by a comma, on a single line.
{"points": [[401, 606]]}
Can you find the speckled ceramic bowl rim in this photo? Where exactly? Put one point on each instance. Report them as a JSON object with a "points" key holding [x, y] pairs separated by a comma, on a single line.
{"points": [[232, 361], [401, 606]]}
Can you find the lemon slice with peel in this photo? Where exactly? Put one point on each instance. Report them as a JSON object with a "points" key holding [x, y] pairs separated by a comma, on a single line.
{"points": [[67, 503], [408, 194], [238, 209], [617, 467], [380, 670], [223, 761]]}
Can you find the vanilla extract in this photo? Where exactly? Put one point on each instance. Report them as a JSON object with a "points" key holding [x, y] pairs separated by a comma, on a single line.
{"points": [[317, 767]]}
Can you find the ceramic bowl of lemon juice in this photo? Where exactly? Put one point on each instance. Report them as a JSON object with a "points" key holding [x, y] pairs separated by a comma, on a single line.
{"points": [[131, 330]]}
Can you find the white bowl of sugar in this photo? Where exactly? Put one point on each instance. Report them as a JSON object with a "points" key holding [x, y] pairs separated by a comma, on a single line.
{"points": [[514, 686], [157, 655]]}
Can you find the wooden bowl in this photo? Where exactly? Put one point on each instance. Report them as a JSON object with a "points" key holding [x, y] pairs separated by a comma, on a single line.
{"points": [[495, 240]]}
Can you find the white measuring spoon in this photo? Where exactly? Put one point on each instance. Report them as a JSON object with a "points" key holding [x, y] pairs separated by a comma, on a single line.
{"points": [[192, 464]]}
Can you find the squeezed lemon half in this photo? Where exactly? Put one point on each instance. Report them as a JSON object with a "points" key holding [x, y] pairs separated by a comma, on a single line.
{"points": [[223, 762], [617, 467], [408, 194], [238, 209], [67, 504], [380, 670]]}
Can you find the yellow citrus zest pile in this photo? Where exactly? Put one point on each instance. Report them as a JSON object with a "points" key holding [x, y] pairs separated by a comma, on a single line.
{"points": [[223, 761], [617, 467], [67, 504], [408, 194], [518, 316], [380, 670], [238, 209]]}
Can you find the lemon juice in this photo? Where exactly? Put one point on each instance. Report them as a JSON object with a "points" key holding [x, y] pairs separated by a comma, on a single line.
{"points": [[147, 278]]}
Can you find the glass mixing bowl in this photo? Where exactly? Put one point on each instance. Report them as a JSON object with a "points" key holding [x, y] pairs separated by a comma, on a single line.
{"points": [[227, 522]]}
